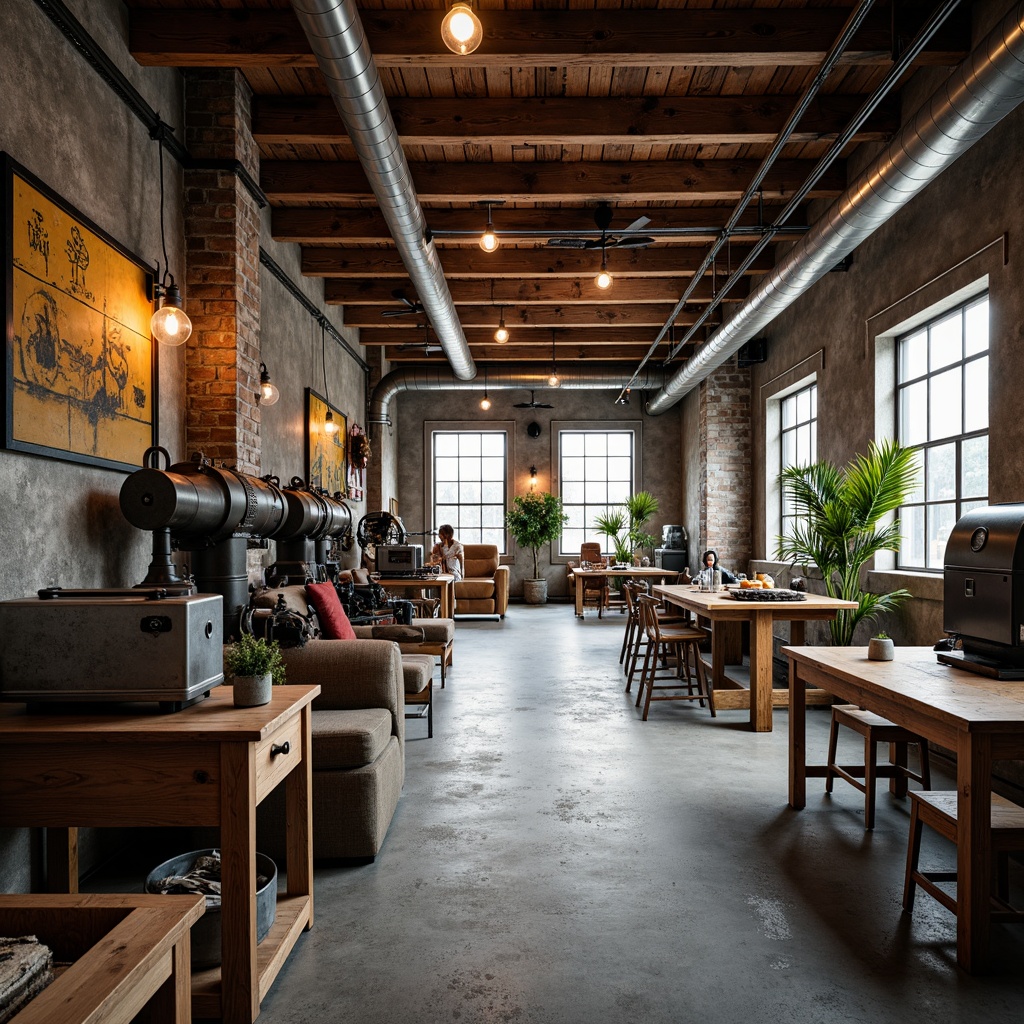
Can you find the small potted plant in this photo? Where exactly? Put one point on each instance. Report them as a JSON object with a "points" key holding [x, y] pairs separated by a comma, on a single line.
{"points": [[254, 665], [880, 647]]}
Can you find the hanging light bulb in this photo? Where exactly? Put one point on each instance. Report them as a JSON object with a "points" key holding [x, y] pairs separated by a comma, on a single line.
{"points": [[489, 239], [553, 380], [603, 279], [501, 334], [461, 30], [330, 427], [169, 324], [485, 402], [268, 393]]}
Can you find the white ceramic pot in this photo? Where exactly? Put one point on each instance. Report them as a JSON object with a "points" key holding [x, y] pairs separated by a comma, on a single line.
{"points": [[536, 591], [251, 691], [880, 649]]}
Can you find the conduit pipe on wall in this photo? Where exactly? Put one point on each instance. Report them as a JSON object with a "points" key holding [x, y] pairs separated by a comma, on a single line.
{"points": [[986, 87], [510, 377], [336, 35]]}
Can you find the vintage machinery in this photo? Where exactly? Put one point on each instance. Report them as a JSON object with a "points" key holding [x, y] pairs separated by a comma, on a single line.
{"points": [[399, 559], [983, 591], [673, 553], [111, 645], [216, 514]]}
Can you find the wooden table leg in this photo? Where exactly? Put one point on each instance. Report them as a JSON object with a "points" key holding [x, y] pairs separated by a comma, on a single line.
{"points": [[797, 739], [761, 672], [973, 849], [579, 598], [240, 996], [299, 819], [62, 859]]}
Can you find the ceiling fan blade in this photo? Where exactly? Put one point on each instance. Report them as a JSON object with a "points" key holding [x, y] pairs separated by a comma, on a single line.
{"points": [[412, 310], [638, 225], [571, 243], [629, 242]]}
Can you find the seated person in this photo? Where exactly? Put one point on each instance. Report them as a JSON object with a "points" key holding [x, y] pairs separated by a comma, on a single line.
{"points": [[448, 552], [709, 561]]}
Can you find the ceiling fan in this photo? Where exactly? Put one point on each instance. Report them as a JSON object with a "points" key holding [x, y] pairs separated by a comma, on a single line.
{"points": [[625, 239], [423, 345], [532, 404], [409, 308]]}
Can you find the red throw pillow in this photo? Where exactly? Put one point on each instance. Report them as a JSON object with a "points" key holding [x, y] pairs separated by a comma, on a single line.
{"points": [[334, 624]]}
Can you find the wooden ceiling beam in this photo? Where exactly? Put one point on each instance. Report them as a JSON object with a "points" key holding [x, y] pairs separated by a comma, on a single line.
{"points": [[536, 341], [353, 292], [350, 226], [497, 354], [530, 182], [536, 39], [621, 315], [518, 263], [552, 121]]}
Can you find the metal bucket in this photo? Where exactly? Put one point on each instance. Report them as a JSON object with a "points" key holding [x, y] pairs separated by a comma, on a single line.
{"points": [[206, 931]]}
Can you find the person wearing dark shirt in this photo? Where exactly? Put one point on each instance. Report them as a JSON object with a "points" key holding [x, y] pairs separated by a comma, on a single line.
{"points": [[709, 560]]}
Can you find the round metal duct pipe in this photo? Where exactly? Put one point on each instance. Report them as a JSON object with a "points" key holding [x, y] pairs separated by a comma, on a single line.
{"points": [[510, 377], [986, 87], [336, 35]]}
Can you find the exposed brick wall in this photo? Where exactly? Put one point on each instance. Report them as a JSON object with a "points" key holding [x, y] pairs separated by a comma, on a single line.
{"points": [[725, 467], [222, 292]]}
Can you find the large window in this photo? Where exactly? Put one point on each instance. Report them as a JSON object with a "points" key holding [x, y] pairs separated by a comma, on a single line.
{"points": [[470, 470], [799, 442], [942, 408], [596, 475]]}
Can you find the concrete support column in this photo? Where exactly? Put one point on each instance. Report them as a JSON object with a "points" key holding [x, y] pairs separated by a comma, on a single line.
{"points": [[726, 474], [222, 231]]}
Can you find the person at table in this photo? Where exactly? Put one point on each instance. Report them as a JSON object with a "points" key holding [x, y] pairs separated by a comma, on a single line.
{"points": [[448, 552], [709, 560]]}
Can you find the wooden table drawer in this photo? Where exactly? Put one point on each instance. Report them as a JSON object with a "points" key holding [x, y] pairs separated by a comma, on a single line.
{"points": [[277, 755]]}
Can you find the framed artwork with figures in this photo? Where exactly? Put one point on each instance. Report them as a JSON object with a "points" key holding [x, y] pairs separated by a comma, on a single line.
{"points": [[326, 453], [80, 373]]}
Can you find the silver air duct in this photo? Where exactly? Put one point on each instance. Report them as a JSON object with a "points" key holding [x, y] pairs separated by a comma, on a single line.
{"points": [[986, 87], [510, 377], [336, 36]]}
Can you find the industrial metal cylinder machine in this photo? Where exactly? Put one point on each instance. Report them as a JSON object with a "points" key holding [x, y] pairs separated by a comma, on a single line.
{"points": [[216, 514]]}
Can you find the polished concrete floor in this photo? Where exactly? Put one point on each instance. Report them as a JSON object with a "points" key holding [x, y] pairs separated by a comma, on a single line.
{"points": [[555, 859]]}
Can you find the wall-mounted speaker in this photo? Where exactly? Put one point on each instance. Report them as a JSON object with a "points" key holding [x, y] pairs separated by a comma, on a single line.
{"points": [[533, 429]]}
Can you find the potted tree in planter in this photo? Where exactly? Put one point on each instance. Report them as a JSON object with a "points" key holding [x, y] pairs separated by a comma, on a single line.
{"points": [[255, 665], [838, 525], [640, 507], [533, 520]]}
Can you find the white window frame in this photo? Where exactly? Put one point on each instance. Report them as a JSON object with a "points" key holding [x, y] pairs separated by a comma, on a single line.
{"points": [[811, 387]]}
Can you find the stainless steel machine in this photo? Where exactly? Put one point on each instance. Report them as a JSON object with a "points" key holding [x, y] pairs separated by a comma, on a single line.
{"points": [[674, 550]]}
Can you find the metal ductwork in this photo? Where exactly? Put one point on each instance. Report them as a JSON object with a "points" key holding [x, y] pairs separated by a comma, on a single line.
{"points": [[986, 87], [339, 43], [509, 377]]}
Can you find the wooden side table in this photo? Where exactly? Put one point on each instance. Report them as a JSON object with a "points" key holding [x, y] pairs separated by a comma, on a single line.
{"points": [[210, 764], [128, 954]]}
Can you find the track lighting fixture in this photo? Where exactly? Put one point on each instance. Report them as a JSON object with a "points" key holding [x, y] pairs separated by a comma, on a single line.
{"points": [[268, 393], [501, 334], [169, 324], [461, 30]]}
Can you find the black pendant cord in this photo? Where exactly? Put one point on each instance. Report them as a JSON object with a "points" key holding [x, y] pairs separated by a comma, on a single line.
{"points": [[163, 237], [323, 360]]}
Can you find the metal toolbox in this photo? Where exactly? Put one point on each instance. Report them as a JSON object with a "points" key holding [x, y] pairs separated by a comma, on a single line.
{"points": [[111, 646]]}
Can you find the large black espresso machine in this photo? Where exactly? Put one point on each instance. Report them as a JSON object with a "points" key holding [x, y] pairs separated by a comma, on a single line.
{"points": [[983, 592], [674, 550]]}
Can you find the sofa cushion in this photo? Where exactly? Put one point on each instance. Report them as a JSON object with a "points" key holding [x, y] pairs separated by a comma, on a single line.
{"points": [[349, 739], [334, 622], [436, 631], [474, 589], [417, 671]]}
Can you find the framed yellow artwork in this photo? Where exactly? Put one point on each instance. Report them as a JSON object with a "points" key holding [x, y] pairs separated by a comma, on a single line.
{"points": [[80, 361], [326, 454]]}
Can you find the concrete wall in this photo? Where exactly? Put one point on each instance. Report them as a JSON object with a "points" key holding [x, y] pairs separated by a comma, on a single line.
{"points": [[658, 458]]}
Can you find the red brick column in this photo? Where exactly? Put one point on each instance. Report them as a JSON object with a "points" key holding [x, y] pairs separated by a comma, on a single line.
{"points": [[725, 467], [222, 292]]}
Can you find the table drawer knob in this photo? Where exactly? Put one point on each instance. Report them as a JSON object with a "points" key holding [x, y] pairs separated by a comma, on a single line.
{"points": [[280, 748]]}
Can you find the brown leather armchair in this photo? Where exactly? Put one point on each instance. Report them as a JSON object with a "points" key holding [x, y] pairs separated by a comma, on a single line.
{"points": [[483, 590]]}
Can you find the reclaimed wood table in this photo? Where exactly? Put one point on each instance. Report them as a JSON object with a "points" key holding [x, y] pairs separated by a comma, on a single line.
{"points": [[443, 583], [210, 764], [755, 692], [632, 572], [980, 719], [128, 956]]}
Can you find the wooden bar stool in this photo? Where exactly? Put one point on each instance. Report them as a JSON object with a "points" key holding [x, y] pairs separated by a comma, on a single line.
{"points": [[635, 639], [875, 729], [938, 810], [685, 642]]}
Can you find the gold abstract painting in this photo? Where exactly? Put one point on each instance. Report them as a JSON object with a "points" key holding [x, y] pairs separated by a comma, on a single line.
{"points": [[80, 363], [326, 460]]}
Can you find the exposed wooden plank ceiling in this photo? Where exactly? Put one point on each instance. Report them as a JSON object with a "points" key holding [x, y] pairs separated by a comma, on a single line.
{"points": [[663, 109]]}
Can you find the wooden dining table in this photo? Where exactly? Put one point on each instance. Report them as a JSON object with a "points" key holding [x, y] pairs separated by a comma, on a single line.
{"points": [[978, 718], [735, 689], [633, 572]]}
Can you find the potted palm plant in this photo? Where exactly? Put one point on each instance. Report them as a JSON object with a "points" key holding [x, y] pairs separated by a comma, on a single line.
{"points": [[640, 507], [838, 525], [533, 520], [255, 665], [612, 525]]}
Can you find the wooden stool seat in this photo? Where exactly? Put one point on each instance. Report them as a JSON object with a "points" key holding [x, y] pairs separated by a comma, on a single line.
{"points": [[875, 729], [938, 810]]}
